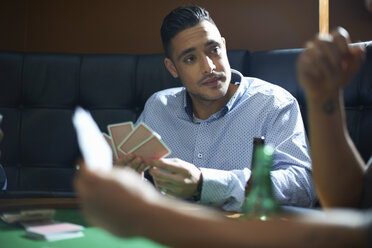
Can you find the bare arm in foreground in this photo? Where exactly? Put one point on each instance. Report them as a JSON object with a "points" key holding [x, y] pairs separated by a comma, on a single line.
{"points": [[120, 202], [324, 68]]}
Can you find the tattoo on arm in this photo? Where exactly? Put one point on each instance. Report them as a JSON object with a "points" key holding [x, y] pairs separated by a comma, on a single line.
{"points": [[329, 106]]}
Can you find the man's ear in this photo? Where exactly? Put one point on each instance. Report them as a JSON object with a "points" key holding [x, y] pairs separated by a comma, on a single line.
{"points": [[170, 67], [223, 41]]}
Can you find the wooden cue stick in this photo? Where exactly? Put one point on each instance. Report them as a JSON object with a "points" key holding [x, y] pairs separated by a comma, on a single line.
{"points": [[323, 16]]}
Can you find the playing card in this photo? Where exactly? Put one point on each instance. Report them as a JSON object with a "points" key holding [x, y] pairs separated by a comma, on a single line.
{"points": [[136, 137], [152, 148], [118, 133], [95, 150], [109, 141], [55, 228], [55, 231]]}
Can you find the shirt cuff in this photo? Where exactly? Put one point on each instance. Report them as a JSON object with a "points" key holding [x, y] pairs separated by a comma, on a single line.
{"points": [[222, 189], [214, 186]]}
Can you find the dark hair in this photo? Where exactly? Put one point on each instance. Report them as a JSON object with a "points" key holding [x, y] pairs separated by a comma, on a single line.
{"points": [[180, 19]]}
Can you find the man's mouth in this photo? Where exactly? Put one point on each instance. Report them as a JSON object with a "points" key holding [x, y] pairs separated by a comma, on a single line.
{"points": [[211, 82]]}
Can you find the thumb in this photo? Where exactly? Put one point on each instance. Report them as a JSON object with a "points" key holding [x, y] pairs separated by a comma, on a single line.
{"points": [[353, 62]]}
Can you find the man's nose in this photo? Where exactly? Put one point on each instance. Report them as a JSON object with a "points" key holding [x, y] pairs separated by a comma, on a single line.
{"points": [[207, 65]]}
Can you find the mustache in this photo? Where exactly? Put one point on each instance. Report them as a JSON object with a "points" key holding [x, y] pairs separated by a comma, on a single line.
{"points": [[212, 75]]}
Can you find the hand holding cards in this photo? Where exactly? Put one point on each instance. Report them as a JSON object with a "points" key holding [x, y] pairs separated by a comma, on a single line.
{"points": [[141, 141], [122, 139]]}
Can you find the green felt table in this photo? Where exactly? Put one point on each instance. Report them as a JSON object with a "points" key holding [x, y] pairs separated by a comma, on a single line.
{"points": [[14, 236]]}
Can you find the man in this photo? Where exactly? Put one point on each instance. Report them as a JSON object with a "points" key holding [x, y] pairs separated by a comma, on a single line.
{"points": [[3, 182], [134, 208], [209, 124]]}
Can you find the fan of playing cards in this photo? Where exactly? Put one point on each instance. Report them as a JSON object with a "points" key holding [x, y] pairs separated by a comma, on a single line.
{"points": [[122, 139], [142, 141]]}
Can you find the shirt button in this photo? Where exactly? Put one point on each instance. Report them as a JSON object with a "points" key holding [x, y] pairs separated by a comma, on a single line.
{"points": [[200, 155]]}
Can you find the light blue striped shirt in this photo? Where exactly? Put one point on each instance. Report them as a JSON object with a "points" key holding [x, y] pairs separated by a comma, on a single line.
{"points": [[221, 146]]}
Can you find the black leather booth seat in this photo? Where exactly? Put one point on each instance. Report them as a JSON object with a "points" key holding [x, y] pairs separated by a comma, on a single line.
{"points": [[39, 92]]}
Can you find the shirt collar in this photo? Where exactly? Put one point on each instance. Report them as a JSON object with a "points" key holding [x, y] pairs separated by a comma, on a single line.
{"points": [[237, 79], [188, 104]]}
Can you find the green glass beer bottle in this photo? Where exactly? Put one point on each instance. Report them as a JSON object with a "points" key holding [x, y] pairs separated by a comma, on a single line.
{"points": [[257, 142], [260, 202]]}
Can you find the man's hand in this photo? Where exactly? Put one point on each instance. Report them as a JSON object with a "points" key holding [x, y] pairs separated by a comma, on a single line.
{"points": [[115, 199], [327, 64], [175, 177], [132, 161]]}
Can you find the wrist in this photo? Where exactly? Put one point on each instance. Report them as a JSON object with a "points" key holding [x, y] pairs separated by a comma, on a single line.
{"points": [[321, 96], [327, 103]]}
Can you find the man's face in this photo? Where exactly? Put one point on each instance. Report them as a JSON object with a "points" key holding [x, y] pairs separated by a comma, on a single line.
{"points": [[198, 57]]}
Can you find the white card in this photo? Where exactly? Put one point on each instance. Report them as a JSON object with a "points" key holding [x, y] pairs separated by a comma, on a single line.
{"points": [[94, 148]]}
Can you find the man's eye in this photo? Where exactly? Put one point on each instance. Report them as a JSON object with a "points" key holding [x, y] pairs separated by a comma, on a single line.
{"points": [[215, 50], [189, 60]]}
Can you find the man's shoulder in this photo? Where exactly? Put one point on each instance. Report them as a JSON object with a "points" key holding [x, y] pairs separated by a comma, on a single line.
{"points": [[170, 96], [165, 101], [169, 93], [266, 89], [261, 85]]}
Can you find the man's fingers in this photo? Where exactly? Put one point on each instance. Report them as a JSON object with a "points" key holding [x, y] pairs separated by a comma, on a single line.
{"points": [[351, 55], [125, 160], [331, 55], [168, 188], [173, 178], [134, 162], [142, 167], [169, 165], [341, 39], [356, 60], [307, 64]]}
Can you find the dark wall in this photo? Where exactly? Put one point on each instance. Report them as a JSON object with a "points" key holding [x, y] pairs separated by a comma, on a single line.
{"points": [[119, 26]]}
